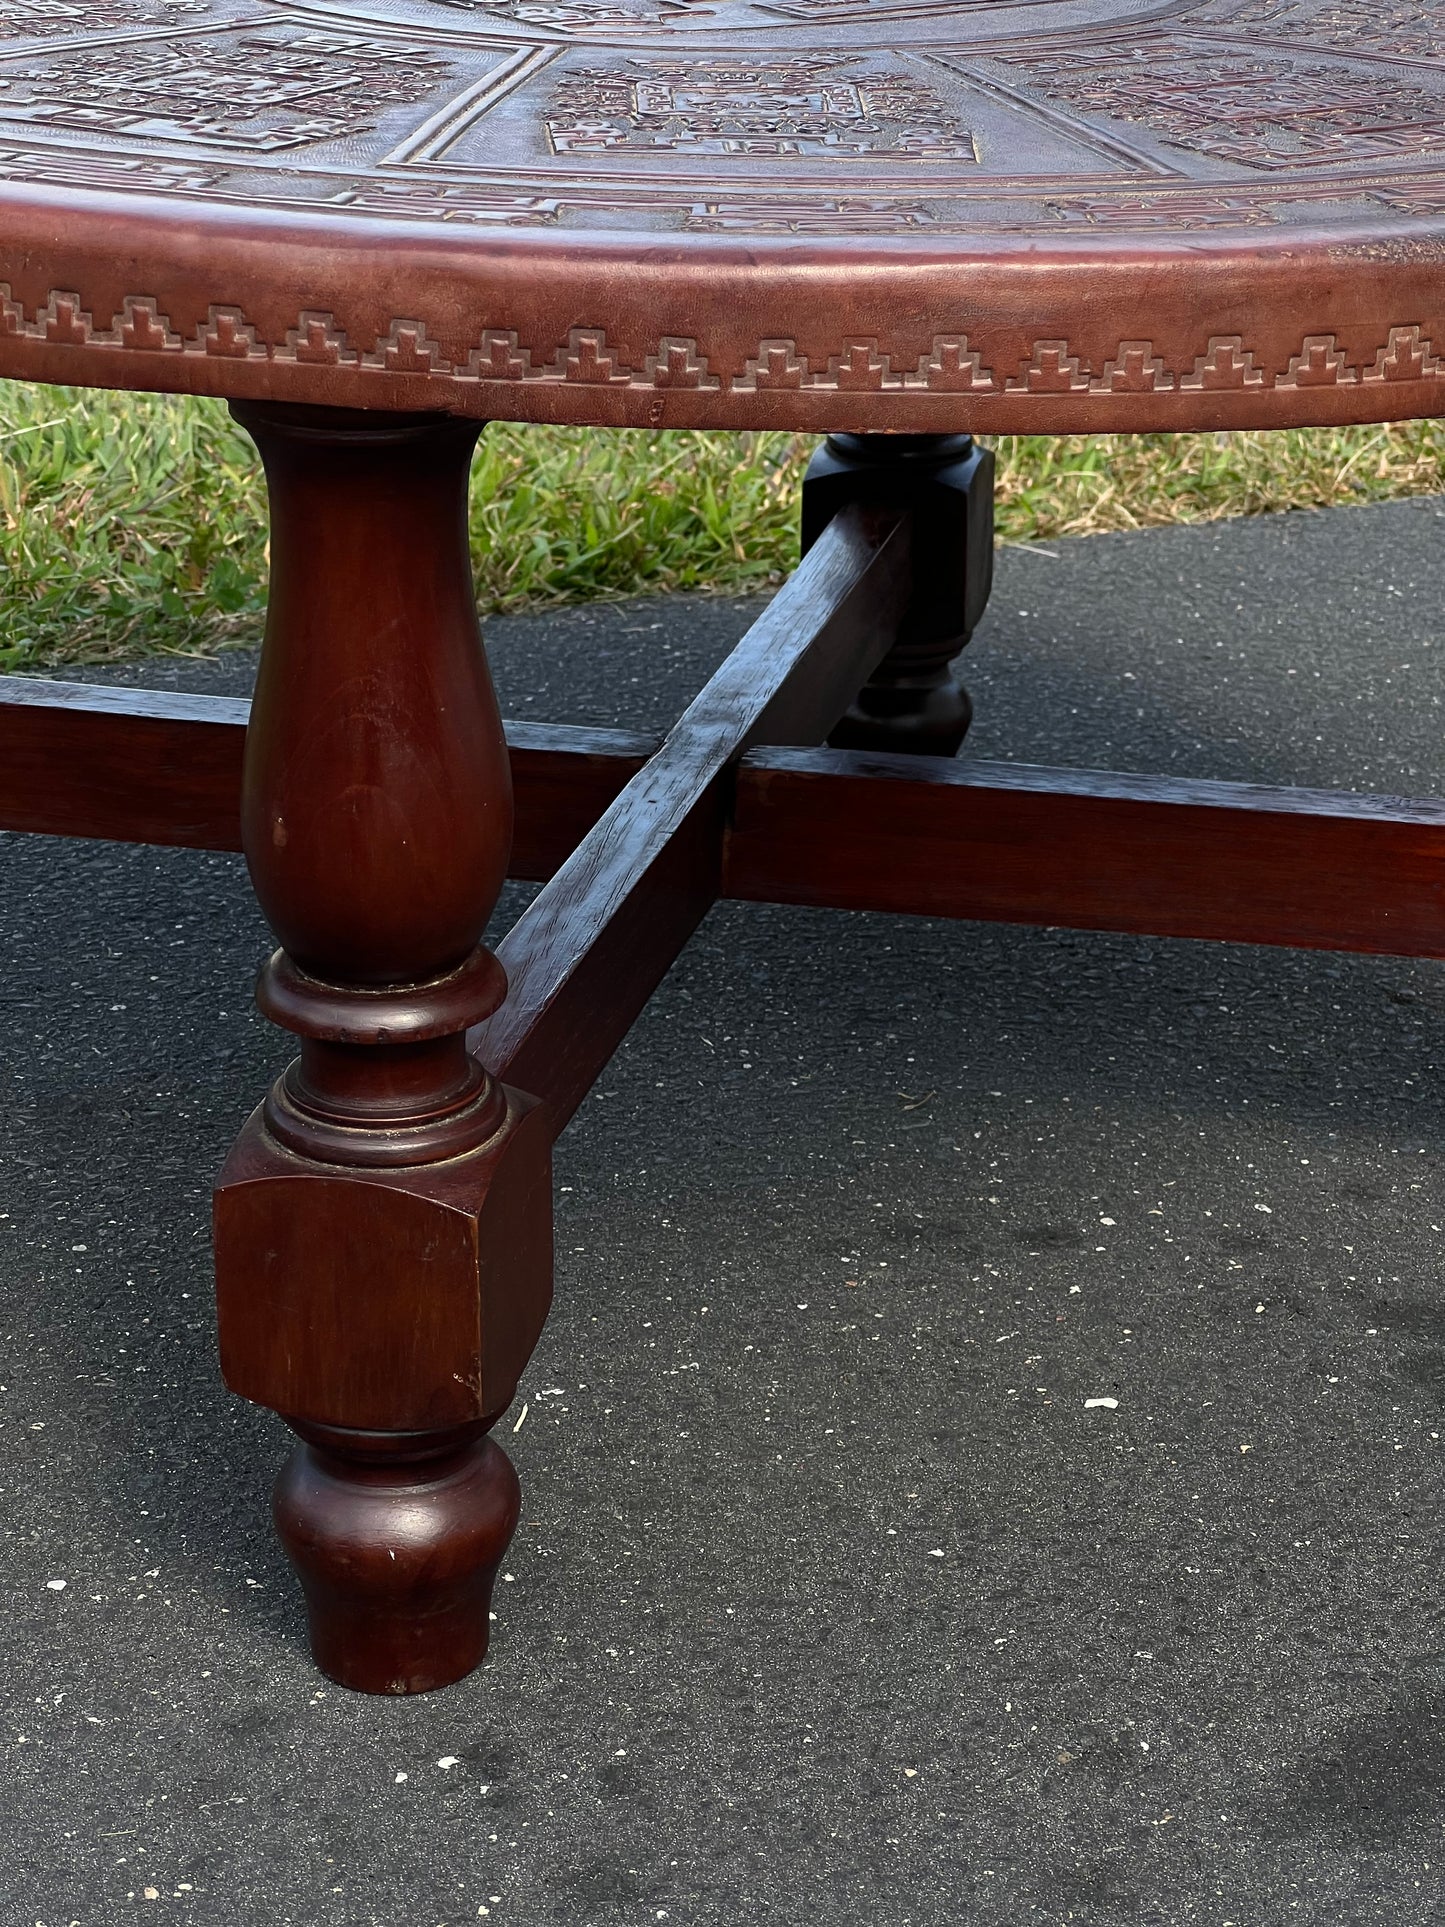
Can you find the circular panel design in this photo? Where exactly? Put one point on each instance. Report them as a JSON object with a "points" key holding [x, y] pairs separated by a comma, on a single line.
{"points": [[1056, 213]]}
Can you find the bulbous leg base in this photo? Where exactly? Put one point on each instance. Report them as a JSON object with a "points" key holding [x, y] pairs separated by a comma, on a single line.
{"points": [[397, 1544], [919, 719]]}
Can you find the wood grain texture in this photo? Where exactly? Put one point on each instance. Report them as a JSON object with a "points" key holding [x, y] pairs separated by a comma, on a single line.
{"points": [[152, 766], [583, 960], [1162, 856], [128, 765], [383, 1223], [1003, 841]]}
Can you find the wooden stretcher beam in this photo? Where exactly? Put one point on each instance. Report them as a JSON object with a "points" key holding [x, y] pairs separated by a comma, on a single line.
{"points": [[1090, 850], [154, 766], [927, 836]]}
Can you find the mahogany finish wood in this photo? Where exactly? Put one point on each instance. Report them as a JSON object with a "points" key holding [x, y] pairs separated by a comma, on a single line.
{"points": [[382, 1227], [127, 765], [1089, 850], [999, 842], [1007, 216], [372, 225], [152, 766], [595, 944]]}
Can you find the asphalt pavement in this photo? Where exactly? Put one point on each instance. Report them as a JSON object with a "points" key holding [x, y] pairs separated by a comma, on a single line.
{"points": [[838, 1599]]}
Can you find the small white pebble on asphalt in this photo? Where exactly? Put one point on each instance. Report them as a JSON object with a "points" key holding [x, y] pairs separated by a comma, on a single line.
{"points": [[910, 1773], [399, 1778], [1265, 1207], [1246, 1448], [1109, 1404], [936, 1553], [1259, 1308], [55, 1585], [448, 1761], [1108, 1221], [802, 1308]]}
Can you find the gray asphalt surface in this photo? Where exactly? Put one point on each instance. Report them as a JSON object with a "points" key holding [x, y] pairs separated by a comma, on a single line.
{"points": [[833, 1601]]}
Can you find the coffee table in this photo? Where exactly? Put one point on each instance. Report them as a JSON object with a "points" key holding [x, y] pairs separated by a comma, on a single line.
{"points": [[898, 223]]}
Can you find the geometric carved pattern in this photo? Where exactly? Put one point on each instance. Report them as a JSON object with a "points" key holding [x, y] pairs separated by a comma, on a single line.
{"points": [[1408, 29], [950, 367], [614, 16], [806, 107], [681, 363], [1270, 113], [1319, 364], [316, 341], [1134, 370], [48, 19], [1406, 356], [1166, 213], [811, 213], [1226, 363], [262, 92], [1053, 371]]}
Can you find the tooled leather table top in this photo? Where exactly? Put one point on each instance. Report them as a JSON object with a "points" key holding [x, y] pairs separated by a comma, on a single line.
{"points": [[911, 214]]}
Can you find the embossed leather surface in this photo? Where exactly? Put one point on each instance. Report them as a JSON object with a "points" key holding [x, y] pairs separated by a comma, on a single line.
{"points": [[920, 214]]}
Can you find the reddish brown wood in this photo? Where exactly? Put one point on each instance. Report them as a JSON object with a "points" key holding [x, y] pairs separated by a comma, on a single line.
{"points": [[1163, 856], [383, 1223], [989, 840], [1004, 216], [563, 779], [152, 766], [414, 1616], [130, 765], [596, 942]]}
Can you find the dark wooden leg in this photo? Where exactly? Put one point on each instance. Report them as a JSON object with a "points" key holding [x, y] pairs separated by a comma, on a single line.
{"points": [[383, 1242], [912, 702]]}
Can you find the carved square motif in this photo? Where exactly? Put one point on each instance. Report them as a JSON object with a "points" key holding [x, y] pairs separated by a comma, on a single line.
{"points": [[1266, 113], [1407, 28], [851, 10], [580, 15], [752, 108], [258, 92], [49, 19]]}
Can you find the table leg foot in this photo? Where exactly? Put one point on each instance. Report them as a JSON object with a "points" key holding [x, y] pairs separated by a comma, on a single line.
{"points": [[397, 1540], [912, 702], [922, 715]]}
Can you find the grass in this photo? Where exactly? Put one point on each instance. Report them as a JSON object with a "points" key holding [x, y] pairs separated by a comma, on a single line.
{"points": [[136, 523]]}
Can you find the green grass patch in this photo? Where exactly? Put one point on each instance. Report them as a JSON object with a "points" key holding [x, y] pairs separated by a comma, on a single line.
{"points": [[136, 523]]}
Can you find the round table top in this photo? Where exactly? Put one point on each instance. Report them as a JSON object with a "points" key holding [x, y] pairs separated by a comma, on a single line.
{"points": [[1007, 215]]}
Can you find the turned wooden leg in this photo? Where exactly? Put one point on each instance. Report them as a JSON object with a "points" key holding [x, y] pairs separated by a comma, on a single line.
{"points": [[383, 1231], [911, 702]]}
